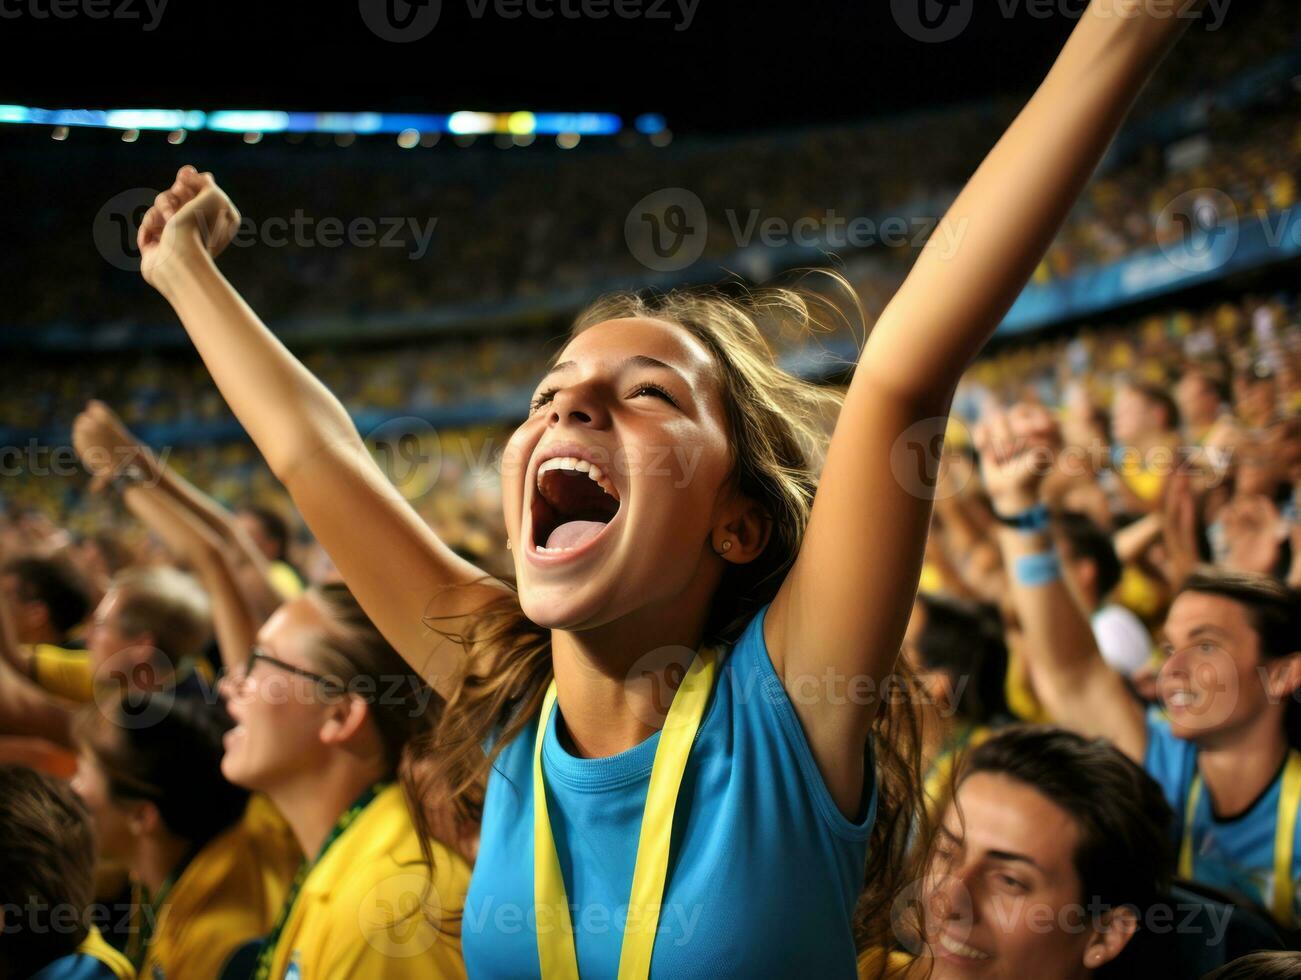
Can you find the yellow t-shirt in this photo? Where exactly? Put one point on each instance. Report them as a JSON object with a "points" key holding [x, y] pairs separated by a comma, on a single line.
{"points": [[62, 672], [285, 580], [1139, 594], [230, 893], [359, 914]]}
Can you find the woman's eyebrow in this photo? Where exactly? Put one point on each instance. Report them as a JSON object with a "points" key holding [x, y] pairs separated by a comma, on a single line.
{"points": [[636, 360]]}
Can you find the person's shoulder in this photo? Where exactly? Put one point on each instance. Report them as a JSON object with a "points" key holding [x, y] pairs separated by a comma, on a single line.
{"points": [[94, 959]]}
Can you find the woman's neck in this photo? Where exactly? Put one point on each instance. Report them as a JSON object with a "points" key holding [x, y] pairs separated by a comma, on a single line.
{"points": [[312, 805], [614, 683], [1239, 771], [157, 859]]}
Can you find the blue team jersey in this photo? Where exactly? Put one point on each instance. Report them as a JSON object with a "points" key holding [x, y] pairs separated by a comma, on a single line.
{"points": [[763, 870], [1236, 855]]}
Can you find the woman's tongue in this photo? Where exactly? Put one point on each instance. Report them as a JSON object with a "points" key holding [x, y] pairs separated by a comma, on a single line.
{"points": [[573, 534]]}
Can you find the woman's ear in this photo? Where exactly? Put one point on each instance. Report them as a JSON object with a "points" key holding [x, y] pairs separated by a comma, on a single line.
{"points": [[345, 720], [1111, 935], [144, 819], [741, 537]]}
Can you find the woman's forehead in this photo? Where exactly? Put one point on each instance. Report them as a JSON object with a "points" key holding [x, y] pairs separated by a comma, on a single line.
{"points": [[994, 812], [614, 341], [289, 630]]}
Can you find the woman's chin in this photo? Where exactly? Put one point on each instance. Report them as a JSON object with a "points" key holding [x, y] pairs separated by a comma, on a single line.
{"points": [[559, 607]]}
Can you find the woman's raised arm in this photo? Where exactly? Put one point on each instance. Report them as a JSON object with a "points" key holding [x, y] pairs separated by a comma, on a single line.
{"points": [[845, 604], [393, 562]]}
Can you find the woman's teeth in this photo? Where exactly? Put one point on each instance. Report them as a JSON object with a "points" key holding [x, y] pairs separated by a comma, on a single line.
{"points": [[951, 945], [575, 465]]}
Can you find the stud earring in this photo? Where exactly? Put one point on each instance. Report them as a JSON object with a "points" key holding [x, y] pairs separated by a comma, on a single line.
{"points": [[724, 548]]}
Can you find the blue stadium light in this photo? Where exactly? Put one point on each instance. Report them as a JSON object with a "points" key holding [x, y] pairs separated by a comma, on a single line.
{"points": [[650, 123], [582, 123], [465, 123], [153, 119], [248, 121]]}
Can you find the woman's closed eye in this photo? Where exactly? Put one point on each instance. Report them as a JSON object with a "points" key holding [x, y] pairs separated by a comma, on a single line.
{"points": [[654, 391], [645, 388], [542, 398]]}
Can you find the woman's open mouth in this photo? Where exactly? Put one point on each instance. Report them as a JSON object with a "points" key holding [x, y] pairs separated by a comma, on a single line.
{"points": [[572, 504]]}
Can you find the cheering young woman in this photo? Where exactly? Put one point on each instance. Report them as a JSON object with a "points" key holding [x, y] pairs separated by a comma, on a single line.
{"points": [[660, 502]]}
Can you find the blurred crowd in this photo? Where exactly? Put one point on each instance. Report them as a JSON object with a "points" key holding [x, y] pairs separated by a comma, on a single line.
{"points": [[1175, 465]]}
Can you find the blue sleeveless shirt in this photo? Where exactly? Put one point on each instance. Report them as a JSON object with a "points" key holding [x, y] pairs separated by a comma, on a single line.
{"points": [[764, 870]]}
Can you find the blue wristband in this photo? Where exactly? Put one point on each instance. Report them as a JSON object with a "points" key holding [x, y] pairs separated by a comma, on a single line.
{"points": [[1039, 568], [1030, 521]]}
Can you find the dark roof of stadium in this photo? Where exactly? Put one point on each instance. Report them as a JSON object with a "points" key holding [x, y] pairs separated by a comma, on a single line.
{"points": [[711, 65]]}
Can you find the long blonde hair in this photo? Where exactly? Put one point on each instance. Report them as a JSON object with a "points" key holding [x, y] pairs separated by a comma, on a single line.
{"points": [[779, 426]]}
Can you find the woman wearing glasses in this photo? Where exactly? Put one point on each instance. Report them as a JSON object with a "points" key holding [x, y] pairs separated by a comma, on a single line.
{"points": [[325, 711], [326, 715], [209, 865]]}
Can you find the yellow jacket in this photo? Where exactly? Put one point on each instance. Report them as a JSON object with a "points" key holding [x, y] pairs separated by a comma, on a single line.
{"points": [[228, 894], [359, 914], [68, 674]]}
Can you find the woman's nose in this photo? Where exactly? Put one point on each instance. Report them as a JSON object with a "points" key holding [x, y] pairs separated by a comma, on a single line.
{"points": [[951, 897], [581, 404]]}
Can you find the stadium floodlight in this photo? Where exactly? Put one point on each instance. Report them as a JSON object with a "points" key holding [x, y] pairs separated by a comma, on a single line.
{"points": [[520, 123], [248, 121], [465, 123]]}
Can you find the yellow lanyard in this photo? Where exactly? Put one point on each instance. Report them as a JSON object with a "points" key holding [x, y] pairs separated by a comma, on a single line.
{"points": [[555, 931], [1289, 801]]}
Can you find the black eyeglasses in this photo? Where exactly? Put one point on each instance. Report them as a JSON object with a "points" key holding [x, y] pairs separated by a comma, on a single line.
{"points": [[257, 653]]}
